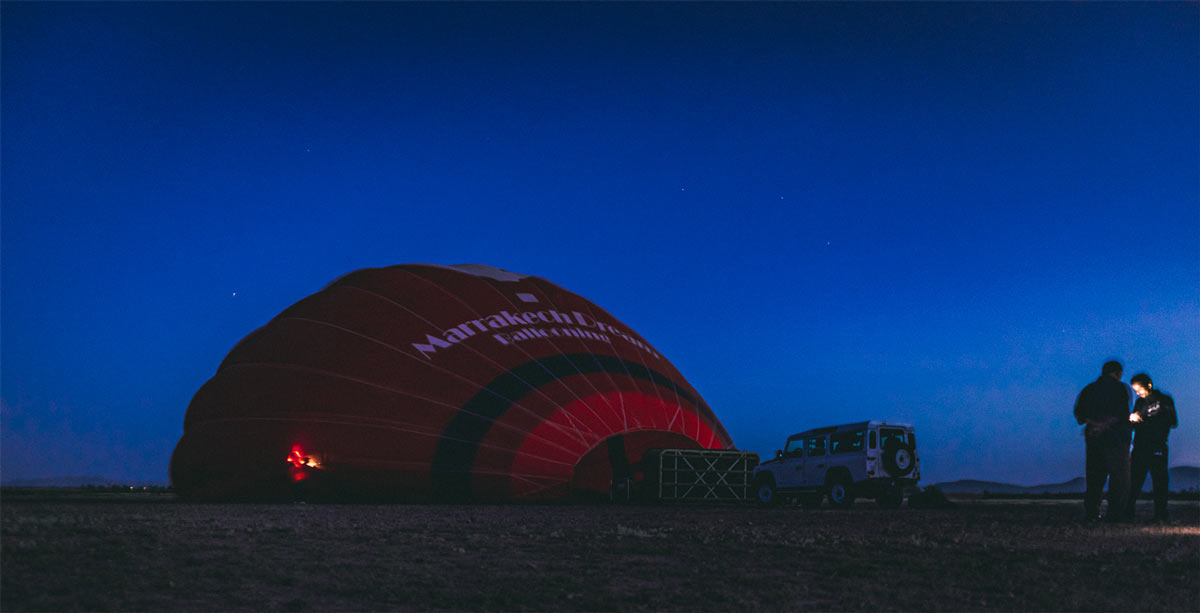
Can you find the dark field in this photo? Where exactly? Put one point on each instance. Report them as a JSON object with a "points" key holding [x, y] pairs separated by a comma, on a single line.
{"points": [[149, 553]]}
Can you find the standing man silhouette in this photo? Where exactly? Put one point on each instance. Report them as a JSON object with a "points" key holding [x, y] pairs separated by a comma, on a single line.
{"points": [[1103, 407], [1153, 417]]}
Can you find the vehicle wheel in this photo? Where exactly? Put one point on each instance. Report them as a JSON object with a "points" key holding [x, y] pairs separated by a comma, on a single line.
{"points": [[765, 494], [898, 458], [841, 492], [891, 499]]}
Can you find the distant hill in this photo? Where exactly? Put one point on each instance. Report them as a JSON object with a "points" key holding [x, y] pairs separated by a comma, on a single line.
{"points": [[75, 481], [1181, 478]]}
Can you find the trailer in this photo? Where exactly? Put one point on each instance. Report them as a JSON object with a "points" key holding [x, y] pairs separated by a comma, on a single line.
{"points": [[698, 475]]}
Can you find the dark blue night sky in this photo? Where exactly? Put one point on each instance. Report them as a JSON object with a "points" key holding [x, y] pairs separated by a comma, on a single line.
{"points": [[949, 214]]}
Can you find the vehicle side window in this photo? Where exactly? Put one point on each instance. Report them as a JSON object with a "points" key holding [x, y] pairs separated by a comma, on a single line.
{"points": [[846, 442], [873, 439], [816, 446], [794, 449]]}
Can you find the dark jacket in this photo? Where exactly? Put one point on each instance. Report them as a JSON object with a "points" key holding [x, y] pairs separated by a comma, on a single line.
{"points": [[1158, 417], [1105, 400]]}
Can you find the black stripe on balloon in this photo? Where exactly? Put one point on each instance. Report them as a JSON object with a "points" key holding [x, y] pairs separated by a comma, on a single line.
{"points": [[454, 457], [618, 460]]}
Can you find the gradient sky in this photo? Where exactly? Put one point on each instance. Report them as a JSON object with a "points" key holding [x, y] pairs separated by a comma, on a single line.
{"points": [[949, 214]]}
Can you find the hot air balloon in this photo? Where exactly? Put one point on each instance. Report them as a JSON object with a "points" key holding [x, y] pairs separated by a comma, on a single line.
{"points": [[425, 382]]}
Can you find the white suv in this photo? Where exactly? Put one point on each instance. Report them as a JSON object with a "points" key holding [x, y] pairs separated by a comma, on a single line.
{"points": [[873, 459]]}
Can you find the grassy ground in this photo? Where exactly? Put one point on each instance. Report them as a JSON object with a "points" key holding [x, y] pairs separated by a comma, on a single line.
{"points": [[143, 555]]}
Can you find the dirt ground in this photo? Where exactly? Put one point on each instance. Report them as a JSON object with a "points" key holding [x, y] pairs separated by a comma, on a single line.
{"points": [[154, 554]]}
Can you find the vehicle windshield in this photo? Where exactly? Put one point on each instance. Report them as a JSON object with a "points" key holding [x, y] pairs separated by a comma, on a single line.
{"points": [[794, 449]]}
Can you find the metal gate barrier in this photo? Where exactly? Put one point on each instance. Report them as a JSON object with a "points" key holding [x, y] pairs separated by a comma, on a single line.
{"points": [[699, 474]]}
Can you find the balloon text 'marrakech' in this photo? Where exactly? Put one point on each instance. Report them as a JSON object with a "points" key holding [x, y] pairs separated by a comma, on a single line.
{"points": [[534, 324]]}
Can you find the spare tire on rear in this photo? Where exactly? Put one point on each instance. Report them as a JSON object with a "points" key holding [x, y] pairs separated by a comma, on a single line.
{"points": [[898, 458]]}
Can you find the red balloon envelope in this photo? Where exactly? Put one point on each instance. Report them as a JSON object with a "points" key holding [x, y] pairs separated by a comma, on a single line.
{"points": [[419, 382]]}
